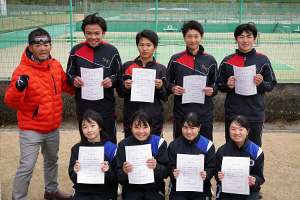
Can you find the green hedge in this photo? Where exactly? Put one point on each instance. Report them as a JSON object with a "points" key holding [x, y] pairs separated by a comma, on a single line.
{"points": [[280, 105]]}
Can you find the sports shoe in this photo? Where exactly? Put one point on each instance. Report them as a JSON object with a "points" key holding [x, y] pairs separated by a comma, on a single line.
{"points": [[57, 195]]}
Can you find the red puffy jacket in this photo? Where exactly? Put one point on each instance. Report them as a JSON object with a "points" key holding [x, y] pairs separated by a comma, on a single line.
{"points": [[40, 104]]}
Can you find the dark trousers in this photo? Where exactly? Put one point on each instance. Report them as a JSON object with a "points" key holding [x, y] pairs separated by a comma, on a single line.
{"points": [[110, 126], [252, 196], [255, 133], [84, 196], [127, 132], [143, 195], [205, 130], [192, 196]]}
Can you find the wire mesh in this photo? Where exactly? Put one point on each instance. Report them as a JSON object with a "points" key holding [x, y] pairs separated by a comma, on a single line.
{"points": [[278, 23]]}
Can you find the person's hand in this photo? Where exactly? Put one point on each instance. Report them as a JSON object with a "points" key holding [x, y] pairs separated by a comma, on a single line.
{"points": [[176, 173], [177, 90], [220, 176], [78, 82], [76, 167], [203, 175], [127, 167], [151, 163], [128, 83], [231, 82], [208, 91], [258, 79], [158, 83], [105, 166], [22, 82], [251, 180], [106, 83]]}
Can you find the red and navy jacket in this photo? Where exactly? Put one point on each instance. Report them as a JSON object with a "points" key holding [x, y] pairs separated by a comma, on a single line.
{"points": [[103, 56], [109, 188], [252, 107], [200, 145], [186, 64], [159, 152], [256, 164], [155, 110]]}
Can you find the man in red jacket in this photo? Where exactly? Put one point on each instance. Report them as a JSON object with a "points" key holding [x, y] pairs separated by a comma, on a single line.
{"points": [[35, 89]]}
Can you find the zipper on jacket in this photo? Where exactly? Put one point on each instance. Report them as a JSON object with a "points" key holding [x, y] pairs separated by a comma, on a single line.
{"points": [[54, 84], [194, 72]]}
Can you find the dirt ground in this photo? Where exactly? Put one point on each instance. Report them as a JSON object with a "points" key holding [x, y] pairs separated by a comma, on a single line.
{"points": [[280, 144]]}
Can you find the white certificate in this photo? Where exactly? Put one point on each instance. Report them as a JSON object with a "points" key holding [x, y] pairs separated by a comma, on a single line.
{"points": [[137, 156], [90, 159], [244, 84], [236, 172], [189, 178], [92, 78], [193, 86], [143, 85]]}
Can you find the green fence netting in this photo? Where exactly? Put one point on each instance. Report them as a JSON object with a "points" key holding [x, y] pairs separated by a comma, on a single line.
{"points": [[278, 23]]}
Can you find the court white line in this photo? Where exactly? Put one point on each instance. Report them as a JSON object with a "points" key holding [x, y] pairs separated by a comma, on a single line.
{"points": [[283, 64]]}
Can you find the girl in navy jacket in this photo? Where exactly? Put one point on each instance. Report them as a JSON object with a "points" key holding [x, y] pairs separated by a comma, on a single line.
{"points": [[240, 146], [92, 133], [191, 142], [141, 128]]}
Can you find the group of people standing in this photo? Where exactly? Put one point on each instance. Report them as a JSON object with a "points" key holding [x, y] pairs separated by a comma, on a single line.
{"points": [[39, 80]]}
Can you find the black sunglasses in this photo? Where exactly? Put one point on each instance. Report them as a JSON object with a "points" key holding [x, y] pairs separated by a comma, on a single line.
{"points": [[38, 40]]}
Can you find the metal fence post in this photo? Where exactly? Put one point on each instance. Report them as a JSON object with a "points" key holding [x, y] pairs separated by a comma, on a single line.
{"points": [[71, 25], [241, 10], [156, 23]]}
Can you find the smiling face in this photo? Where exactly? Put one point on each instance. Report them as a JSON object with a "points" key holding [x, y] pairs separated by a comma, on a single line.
{"points": [[41, 50], [140, 131], [146, 49], [190, 132], [91, 130], [193, 39], [93, 34], [238, 133], [245, 41]]}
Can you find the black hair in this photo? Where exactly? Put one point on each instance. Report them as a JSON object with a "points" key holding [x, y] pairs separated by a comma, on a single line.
{"points": [[151, 35], [248, 28], [192, 24], [192, 119], [38, 32], [141, 117], [93, 19], [241, 121], [92, 115]]}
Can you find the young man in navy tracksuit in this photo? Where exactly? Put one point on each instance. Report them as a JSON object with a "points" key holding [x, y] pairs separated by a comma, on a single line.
{"points": [[92, 54], [146, 42], [252, 107], [193, 61]]}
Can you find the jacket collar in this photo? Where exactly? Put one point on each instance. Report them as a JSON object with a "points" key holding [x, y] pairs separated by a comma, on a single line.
{"points": [[199, 53], [247, 142], [139, 62], [99, 45], [26, 60], [195, 141], [253, 51], [136, 141], [101, 143]]}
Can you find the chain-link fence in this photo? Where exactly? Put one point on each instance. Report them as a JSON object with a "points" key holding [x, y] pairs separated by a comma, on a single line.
{"points": [[278, 23]]}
